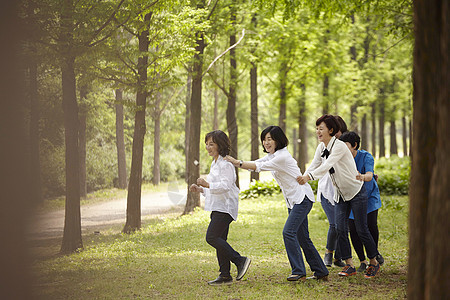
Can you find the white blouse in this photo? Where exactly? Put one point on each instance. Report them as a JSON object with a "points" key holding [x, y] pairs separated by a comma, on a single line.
{"points": [[285, 170], [342, 161], [222, 194]]}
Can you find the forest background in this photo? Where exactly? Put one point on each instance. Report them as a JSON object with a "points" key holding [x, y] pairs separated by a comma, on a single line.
{"points": [[136, 48]]}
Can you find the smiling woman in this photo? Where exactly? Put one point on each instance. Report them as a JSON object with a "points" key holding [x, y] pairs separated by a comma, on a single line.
{"points": [[299, 200]]}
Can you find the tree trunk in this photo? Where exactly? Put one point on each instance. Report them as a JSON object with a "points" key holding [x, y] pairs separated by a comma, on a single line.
{"points": [[231, 107], [82, 140], [254, 117], [364, 133], [157, 142], [393, 144], [302, 131], [72, 223], [216, 110], [430, 170], [133, 222], [404, 137], [374, 129], [36, 184], [353, 118], [16, 200], [186, 123], [120, 142], [410, 138], [381, 124], [325, 103], [193, 160], [283, 95]]}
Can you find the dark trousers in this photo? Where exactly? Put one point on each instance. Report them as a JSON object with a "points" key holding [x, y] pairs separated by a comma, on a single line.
{"points": [[216, 236], [359, 206], [372, 223]]}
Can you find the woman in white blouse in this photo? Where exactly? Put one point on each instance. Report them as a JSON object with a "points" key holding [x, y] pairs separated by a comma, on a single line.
{"points": [[222, 196], [299, 200], [349, 194]]}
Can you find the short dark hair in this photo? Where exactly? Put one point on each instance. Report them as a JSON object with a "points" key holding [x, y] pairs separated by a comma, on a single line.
{"points": [[352, 138], [342, 124], [277, 135], [221, 139], [331, 123]]}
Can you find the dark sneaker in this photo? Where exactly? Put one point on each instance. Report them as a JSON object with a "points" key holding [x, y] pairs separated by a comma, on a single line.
{"points": [[362, 268], [318, 278], [339, 263], [243, 267], [380, 259], [372, 271], [347, 271], [221, 281], [328, 259], [294, 277]]}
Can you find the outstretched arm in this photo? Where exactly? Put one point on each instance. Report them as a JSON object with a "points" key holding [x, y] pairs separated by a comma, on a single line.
{"points": [[248, 165]]}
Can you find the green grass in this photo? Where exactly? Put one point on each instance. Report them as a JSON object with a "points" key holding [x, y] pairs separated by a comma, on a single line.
{"points": [[170, 258]]}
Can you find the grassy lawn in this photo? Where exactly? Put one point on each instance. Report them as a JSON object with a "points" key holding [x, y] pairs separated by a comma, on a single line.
{"points": [[170, 258]]}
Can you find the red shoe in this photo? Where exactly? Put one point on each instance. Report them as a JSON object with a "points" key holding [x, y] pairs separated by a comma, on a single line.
{"points": [[347, 271]]}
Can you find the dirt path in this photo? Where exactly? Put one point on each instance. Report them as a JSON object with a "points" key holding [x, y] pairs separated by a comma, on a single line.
{"points": [[93, 217]]}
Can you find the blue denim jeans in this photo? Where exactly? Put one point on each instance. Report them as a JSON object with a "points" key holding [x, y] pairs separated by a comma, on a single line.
{"points": [[216, 236], [330, 211], [296, 238], [359, 206]]}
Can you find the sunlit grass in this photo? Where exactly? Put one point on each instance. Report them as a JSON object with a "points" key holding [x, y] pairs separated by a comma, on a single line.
{"points": [[169, 258]]}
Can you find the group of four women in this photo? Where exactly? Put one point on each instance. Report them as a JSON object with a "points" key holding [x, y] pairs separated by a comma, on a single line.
{"points": [[341, 189]]}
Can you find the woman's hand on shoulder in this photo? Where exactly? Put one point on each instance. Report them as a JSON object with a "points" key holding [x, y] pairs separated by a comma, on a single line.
{"points": [[232, 160]]}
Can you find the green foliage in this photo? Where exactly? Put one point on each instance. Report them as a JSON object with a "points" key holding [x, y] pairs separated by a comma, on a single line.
{"points": [[393, 175], [261, 188]]}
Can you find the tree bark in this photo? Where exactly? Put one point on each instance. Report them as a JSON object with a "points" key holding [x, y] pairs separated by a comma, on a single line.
{"points": [[404, 136], [302, 131], [353, 118], [325, 88], [430, 170], [120, 142], [254, 116], [82, 140], [283, 94], [374, 129], [157, 141], [231, 107], [187, 123], [364, 133], [72, 223], [393, 141], [381, 123], [16, 200], [133, 222], [36, 184], [195, 110]]}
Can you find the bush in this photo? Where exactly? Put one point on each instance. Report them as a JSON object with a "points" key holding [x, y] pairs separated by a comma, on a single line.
{"points": [[393, 179], [261, 188], [393, 175]]}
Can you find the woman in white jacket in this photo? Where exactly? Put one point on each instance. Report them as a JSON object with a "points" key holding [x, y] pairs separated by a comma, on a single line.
{"points": [[349, 195]]}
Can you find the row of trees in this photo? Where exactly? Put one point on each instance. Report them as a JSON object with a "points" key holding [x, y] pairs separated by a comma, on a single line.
{"points": [[130, 74]]}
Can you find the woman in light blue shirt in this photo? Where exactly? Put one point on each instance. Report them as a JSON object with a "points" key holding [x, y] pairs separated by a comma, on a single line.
{"points": [[299, 200], [222, 198]]}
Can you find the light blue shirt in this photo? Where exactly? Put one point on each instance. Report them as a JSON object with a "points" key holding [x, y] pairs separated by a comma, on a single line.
{"points": [[365, 163]]}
